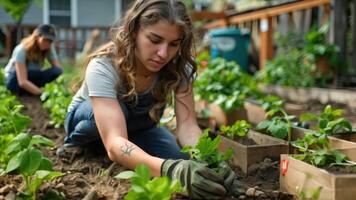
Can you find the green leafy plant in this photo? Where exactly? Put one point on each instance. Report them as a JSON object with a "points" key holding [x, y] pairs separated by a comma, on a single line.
{"points": [[28, 161], [56, 98], [329, 121], [238, 129], [317, 46], [287, 68], [316, 151], [299, 59], [144, 188], [11, 120], [315, 147], [280, 124], [206, 150], [224, 84]]}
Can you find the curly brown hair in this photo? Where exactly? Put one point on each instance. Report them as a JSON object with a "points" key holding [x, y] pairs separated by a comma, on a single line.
{"points": [[121, 49]]}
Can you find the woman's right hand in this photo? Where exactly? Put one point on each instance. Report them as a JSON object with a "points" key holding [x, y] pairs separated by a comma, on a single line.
{"points": [[200, 181]]}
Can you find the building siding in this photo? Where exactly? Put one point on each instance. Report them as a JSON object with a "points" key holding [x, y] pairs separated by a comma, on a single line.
{"points": [[96, 13]]}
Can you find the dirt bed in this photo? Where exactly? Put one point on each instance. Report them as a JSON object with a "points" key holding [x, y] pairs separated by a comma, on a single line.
{"points": [[89, 174]]}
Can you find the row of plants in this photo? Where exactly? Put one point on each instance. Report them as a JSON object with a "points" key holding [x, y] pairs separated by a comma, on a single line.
{"points": [[56, 98], [311, 57], [19, 152]]}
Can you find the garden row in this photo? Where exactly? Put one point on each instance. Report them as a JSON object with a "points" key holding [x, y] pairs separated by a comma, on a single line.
{"points": [[20, 152]]}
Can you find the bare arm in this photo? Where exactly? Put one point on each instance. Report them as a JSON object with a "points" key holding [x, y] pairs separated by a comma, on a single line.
{"points": [[55, 63], [188, 131], [22, 79], [113, 131]]}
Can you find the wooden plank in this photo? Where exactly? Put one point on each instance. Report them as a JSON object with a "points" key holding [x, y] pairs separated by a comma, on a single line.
{"points": [[216, 24], [300, 5], [251, 16], [206, 15], [266, 39], [246, 155]]}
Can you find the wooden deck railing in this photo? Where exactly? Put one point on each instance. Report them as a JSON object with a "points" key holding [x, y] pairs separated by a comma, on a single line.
{"points": [[265, 18]]}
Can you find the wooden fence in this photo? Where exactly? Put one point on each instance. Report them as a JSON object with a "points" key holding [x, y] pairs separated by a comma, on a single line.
{"points": [[264, 22]]}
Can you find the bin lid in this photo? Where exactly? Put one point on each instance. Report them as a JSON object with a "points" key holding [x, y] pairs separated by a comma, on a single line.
{"points": [[225, 31]]}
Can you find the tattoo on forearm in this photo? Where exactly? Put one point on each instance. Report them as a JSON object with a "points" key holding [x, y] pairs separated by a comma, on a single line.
{"points": [[127, 149]]}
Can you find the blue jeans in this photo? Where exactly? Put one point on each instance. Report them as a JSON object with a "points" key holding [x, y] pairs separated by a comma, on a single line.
{"points": [[156, 141], [36, 76]]}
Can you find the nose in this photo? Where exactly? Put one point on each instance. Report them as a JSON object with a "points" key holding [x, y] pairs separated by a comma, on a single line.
{"points": [[162, 51]]}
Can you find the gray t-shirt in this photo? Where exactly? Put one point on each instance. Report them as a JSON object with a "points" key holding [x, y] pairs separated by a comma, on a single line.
{"points": [[19, 55], [100, 81]]}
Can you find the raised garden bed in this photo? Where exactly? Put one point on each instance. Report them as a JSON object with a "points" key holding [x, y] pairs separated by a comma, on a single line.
{"points": [[297, 176], [336, 141], [247, 154], [305, 95]]}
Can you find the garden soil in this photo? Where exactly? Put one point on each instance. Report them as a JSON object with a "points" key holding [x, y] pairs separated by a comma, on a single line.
{"points": [[89, 173]]}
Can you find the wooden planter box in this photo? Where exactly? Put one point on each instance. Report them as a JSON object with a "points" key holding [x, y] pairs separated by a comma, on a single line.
{"points": [[244, 156], [293, 175], [336, 142], [350, 137], [323, 95]]}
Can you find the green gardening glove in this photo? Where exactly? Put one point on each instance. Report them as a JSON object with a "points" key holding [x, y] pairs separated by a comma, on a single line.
{"points": [[233, 186], [200, 181]]}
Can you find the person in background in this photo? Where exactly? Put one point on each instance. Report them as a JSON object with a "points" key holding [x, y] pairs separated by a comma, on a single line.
{"points": [[127, 84], [24, 73]]}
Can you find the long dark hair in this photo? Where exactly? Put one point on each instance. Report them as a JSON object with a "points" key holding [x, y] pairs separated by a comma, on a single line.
{"points": [[121, 49]]}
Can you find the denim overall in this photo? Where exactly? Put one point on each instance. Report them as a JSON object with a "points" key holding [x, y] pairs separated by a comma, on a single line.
{"points": [[36, 76], [142, 131]]}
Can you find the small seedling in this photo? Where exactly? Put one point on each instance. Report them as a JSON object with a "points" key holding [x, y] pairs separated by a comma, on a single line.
{"points": [[144, 188], [206, 150], [238, 129]]}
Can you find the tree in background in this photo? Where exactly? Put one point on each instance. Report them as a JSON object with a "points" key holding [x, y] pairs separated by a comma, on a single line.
{"points": [[17, 10]]}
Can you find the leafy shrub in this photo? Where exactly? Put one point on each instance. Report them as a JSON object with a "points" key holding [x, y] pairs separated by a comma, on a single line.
{"points": [[225, 84]]}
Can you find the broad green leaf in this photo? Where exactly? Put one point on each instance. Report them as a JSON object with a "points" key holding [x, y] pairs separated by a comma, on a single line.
{"points": [[31, 160], [279, 130], [339, 157], [46, 164], [19, 143], [15, 162], [40, 140], [125, 175], [263, 125], [48, 175]]}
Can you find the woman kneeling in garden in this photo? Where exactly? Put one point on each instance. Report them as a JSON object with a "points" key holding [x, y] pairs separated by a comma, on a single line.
{"points": [[127, 84], [24, 72]]}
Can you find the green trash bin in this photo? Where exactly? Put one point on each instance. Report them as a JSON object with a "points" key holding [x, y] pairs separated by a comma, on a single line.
{"points": [[231, 44]]}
